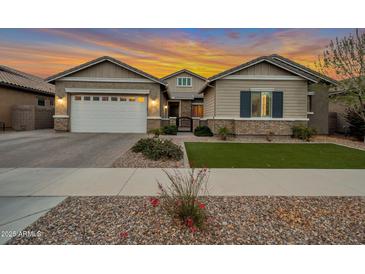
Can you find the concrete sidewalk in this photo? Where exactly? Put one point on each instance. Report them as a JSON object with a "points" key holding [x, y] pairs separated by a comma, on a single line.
{"points": [[142, 181]]}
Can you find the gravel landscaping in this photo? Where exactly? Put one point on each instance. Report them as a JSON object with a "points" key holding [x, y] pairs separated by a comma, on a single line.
{"points": [[233, 220], [131, 159]]}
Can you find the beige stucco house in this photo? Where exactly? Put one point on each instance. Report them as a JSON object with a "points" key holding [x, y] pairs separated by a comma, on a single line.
{"points": [[25, 100], [268, 94]]}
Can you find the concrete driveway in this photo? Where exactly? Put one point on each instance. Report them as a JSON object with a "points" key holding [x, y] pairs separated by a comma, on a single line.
{"points": [[46, 148]]}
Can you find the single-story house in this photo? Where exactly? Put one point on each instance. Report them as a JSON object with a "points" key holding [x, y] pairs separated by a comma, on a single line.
{"points": [[268, 94], [22, 89]]}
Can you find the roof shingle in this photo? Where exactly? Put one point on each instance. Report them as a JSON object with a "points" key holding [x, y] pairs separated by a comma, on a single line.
{"points": [[18, 79]]}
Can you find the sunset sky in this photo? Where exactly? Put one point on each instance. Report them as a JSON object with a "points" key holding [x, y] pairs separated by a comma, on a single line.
{"points": [[44, 52]]}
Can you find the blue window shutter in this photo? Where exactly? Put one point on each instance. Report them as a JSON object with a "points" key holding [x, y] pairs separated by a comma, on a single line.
{"points": [[245, 104], [277, 104]]}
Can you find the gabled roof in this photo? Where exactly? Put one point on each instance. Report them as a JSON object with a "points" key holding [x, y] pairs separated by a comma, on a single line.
{"points": [[17, 79], [281, 62], [182, 71], [99, 60]]}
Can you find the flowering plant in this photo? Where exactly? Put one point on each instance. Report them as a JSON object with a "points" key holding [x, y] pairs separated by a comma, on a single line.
{"points": [[180, 197]]}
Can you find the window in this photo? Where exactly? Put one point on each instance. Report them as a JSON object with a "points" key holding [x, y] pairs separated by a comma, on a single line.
{"points": [[123, 99], [309, 104], [261, 104], [41, 101], [140, 99], [184, 81], [87, 98], [197, 111], [96, 98], [132, 99], [113, 98], [105, 98], [77, 98], [51, 101]]}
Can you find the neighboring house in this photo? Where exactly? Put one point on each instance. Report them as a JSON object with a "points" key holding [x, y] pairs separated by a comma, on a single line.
{"points": [[268, 94], [183, 89], [22, 89]]}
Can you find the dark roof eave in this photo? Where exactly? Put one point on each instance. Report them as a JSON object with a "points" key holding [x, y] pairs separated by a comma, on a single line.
{"points": [[54, 77], [182, 71]]}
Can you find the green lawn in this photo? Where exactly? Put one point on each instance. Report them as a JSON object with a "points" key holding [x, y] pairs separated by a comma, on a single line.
{"points": [[236, 155]]}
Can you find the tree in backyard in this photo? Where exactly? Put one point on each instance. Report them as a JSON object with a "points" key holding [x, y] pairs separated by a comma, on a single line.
{"points": [[346, 58]]}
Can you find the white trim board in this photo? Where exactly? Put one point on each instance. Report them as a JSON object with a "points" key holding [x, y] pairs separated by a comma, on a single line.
{"points": [[106, 80], [110, 91], [61, 116], [263, 77]]}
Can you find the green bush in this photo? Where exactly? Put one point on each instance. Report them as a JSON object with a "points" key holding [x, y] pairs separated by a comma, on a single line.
{"points": [[303, 132], [202, 131], [356, 124], [224, 132], [169, 130], [156, 149], [156, 132]]}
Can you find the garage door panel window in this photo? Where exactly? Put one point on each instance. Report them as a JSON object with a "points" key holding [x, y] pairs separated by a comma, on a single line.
{"points": [[123, 99], [96, 98], [87, 98], [113, 98], [105, 98], [132, 99], [140, 100], [77, 98]]}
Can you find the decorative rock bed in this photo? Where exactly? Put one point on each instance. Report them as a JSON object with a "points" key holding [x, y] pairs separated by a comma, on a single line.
{"points": [[132, 159], [233, 220]]}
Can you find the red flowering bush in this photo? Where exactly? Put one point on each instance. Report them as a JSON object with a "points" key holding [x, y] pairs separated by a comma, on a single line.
{"points": [[180, 198]]}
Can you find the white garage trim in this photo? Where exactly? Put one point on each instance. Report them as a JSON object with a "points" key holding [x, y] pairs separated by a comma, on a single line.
{"points": [[110, 91]]}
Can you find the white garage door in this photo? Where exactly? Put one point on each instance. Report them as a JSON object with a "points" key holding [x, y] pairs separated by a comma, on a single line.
{"points": [[102, 113]]}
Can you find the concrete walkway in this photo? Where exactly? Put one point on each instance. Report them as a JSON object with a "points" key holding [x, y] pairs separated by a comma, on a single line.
{"points": [[142, 181]]}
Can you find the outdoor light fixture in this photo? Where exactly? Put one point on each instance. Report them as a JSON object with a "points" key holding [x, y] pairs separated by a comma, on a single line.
{"points": [[60, 100], [153, 102]]}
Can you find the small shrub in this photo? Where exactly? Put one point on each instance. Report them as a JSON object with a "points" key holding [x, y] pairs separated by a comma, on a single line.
{"points": [[169, 130], [356, 124], [303, 132], [180, 198], [202, 131], [156, 149], [223, 133], [156, 132]]}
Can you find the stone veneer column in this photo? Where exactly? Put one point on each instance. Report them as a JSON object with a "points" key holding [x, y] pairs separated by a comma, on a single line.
{"points": [[196, 122], [61, 123], [153, 123]]}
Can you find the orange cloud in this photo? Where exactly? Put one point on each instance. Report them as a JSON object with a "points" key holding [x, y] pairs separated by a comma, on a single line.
{"points": [[158, 55]]}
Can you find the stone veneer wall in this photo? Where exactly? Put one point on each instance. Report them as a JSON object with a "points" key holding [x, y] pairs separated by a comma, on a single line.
{"points": [[254, 127], [61, 124], [185, 108], [153, 123]]}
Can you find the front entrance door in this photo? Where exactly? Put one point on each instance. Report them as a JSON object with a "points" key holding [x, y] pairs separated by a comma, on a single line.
{"points": [[174, 108]]}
